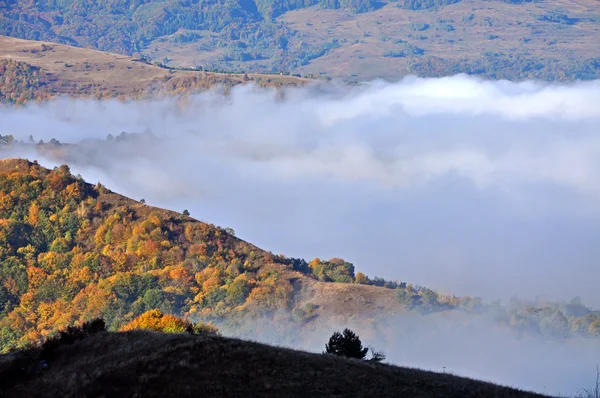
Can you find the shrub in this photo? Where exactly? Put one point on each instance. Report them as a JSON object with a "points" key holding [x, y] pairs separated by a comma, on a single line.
{"points": [[156, 321], [334, 270], [70, 335], [376, 356], [404, 50], [303, 314], [346, 344]]}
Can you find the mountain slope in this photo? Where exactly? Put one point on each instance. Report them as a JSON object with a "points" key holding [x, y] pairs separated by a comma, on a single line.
{"points": [[352, 39], [72, 251], [160, 365], [33, 70]]}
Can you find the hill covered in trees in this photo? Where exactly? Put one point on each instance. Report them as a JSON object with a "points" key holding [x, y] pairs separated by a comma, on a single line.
{"points": [[141, 363], [352, 39], [72, 251]]}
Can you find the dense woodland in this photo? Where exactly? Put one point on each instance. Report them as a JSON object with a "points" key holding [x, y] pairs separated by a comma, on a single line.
{"points": [[244, 32], [71, 252], [427, 4], [20, 82], [509, 67], [247, 28]]}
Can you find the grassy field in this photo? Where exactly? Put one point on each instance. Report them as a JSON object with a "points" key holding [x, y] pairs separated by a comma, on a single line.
{"points": [[159, 365], [78, 71]]}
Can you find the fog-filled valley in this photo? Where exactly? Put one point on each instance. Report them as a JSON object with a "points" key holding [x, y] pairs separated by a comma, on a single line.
{"points": [[466, 186]]}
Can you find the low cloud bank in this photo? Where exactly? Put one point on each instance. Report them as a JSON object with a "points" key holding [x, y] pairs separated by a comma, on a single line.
{"points": [[473, 186], [451, 342]]}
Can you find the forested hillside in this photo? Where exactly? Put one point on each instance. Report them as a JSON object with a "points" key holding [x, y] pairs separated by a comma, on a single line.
{"points": [[71, 252], [20, 82], [128, 26], [352, 39]]}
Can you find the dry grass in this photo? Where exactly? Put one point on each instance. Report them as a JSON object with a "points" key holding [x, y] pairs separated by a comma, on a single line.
{"points": [[82, 66], [344, 299], [162, 365], [593, 392], [73, 70]]}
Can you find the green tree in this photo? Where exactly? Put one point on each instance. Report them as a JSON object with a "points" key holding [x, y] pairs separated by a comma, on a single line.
{"points": [[238, 290], [346, 344], [155, 299]]}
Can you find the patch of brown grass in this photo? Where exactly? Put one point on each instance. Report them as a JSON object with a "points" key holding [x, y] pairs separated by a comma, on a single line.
{"points": [[80, 71]]}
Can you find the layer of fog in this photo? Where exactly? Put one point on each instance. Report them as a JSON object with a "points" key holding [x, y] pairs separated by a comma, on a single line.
{"points": [[470, 187], [474, 187], [452, 342]]}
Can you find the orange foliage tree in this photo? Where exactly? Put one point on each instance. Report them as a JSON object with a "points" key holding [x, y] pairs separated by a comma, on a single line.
{"points": [[156, 321]]}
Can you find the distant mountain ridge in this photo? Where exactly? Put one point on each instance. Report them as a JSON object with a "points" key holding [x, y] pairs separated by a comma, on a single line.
{"points": [[351, 39]]}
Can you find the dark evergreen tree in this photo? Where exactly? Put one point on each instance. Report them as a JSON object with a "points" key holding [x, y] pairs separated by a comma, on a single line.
{"points": [[346, 344]]}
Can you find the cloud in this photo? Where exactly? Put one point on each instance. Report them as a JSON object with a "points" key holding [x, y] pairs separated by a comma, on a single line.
{"points": [[477, 187]]}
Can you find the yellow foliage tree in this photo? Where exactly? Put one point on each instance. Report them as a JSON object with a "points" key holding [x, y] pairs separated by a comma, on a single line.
{"points": [[361, 278], [158, 322]]}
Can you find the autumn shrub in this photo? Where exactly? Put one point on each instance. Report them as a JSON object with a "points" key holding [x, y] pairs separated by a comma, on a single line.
{"points": [[333, 270], [156, 321]]}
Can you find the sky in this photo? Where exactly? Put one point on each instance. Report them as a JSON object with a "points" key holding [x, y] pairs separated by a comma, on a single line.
{"points": [[466, 186]]}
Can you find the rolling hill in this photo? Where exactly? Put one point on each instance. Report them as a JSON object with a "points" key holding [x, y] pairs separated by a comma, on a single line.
{"points": [[350, 39], [148, 364], [33, 70], [72, 251]]}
